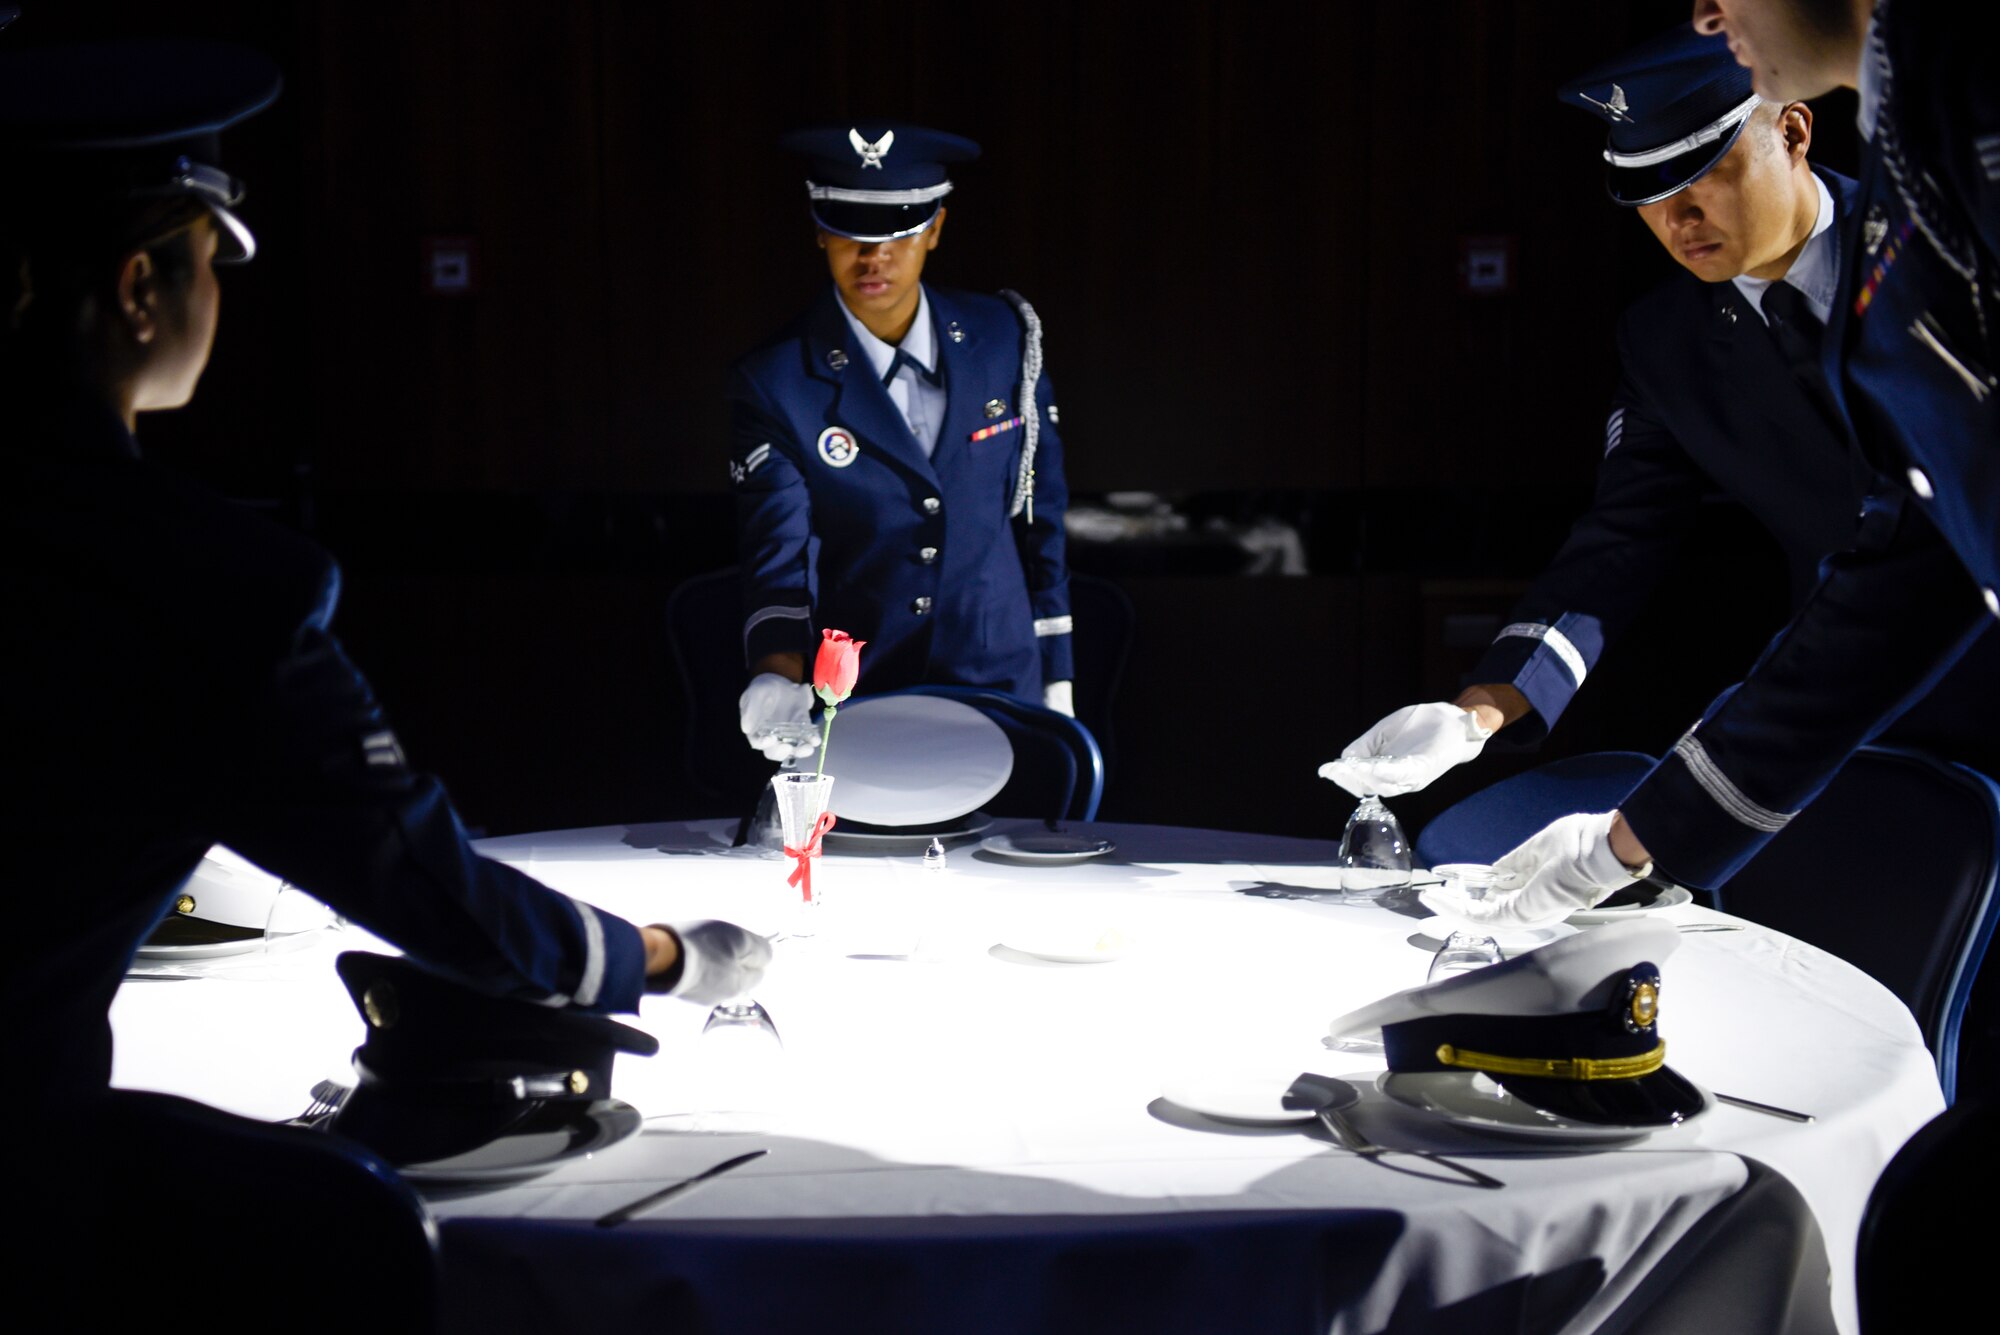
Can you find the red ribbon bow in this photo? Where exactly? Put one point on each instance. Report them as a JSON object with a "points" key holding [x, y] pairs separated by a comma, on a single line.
{"points": [[804, 872]]}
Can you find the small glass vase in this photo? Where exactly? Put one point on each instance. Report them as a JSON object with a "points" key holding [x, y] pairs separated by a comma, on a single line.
{"points": [[1374, 854], [803, 800]]}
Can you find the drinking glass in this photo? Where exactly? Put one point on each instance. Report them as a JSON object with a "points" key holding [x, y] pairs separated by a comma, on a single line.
{"points": [[802, 800], [1374, 854], [736, 1073], [1462, 952]]}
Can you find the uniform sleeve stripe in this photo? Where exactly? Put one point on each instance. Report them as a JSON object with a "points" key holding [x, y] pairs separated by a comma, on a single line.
{"points": [[593, 955], [755, 459], [1045, 626], [1558, 643], [1614, 430], [1726, 794], [763, 614]]}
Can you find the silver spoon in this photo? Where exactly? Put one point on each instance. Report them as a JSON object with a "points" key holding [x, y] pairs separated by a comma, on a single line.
{"points": [[1327, 1097]]}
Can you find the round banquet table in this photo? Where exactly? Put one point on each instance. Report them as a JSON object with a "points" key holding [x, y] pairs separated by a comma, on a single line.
{"points": [[963, 1136]]}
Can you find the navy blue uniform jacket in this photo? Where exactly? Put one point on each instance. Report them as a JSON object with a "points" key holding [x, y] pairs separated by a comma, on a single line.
{"points": [[172, 683], [1913, 367], [857, 531]]}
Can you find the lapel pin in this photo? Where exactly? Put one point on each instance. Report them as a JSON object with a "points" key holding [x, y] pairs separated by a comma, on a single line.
{"points": [[838, 447], [954, 333], [996, 407], [837, 360], [1873, 228]]}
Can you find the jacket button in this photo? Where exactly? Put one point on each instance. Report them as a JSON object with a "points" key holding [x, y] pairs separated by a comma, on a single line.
{"points": [[928, 555], [1992, 601], [920, 606], [932, 505], [1921, 484]]}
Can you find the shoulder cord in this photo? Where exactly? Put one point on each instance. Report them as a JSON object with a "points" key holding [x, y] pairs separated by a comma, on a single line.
{"points": [[1031, 415], [1917, 190]]}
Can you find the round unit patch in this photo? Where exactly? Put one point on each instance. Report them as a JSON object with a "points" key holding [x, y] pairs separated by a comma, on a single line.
{"points": [[838, 447]]}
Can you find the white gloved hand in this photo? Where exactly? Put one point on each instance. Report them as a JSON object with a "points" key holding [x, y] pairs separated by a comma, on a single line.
{"points": [[1058, 696], [1565, 867], [719, 961], [1407, 750], [769, 699]]}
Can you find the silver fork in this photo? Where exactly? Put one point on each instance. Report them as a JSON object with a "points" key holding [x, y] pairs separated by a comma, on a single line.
{"points": [[328, 1095]]}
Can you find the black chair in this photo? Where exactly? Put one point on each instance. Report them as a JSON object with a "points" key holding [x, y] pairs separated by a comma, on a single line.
{"points": [[1104, 622], [705, 633], [1058, 769], [1493, 821], [1922, 1237], [1891, 868]]}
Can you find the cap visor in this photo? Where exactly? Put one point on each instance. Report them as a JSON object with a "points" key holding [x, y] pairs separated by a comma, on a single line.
{"points": [[1663, 1098], [1633, 186], [419, 1125], [873, 222], [183, 929], [235, 243]]}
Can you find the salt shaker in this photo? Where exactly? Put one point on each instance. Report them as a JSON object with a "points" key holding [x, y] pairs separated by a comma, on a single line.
{"points": [[934, 858]]}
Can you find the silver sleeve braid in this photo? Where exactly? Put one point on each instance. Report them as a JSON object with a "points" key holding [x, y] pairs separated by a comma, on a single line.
{"points": [[1031, 414]]}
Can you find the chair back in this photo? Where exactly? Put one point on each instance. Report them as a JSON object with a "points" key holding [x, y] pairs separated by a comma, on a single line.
{"points": [[1915, 1246], [1058, 769], [705, 633], [1104, 624], [1493, 821], [1892, 869]]}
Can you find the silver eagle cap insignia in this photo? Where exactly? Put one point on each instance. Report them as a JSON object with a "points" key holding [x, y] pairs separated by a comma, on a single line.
{"points": [[871, 154], [1616, 108]]}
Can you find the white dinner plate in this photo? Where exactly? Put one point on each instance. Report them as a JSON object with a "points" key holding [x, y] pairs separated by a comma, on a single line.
{"points": [[913, 840], [1048, 848], [205, 950], [1511, 940], [1671, 898], [512, 1158], [908, 760], [1472, 1099], [1090, 943], [1235, 1096]]}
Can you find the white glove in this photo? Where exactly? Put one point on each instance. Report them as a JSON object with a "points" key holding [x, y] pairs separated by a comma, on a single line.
{"points": [[769, 700], [1565, 867], [1407, 750], [719, 961], [1057, 695]]}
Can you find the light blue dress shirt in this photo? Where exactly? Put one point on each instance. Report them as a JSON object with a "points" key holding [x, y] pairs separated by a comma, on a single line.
{"points": [[921, 403]]}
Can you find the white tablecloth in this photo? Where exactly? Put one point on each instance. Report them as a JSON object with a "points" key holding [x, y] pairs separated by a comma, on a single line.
{"points": [[983, 1082]]}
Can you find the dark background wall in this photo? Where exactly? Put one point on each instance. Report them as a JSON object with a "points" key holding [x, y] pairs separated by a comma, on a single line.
{"points": [[1242, 225]]}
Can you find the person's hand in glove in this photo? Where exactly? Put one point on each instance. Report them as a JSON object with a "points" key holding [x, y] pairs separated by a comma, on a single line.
{"points": [[770, 700], [1567, 866], [706, 962], [1407, 750], [1060, 696]]}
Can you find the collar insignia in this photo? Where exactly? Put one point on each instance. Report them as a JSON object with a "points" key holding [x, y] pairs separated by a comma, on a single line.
{"points": [[871, 154]]}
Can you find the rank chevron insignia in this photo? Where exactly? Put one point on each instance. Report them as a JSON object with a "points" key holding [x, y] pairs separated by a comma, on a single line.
{"points": [[871, 154]]}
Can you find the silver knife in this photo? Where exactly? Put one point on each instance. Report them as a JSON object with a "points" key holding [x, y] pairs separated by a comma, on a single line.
{"points": [[647, 1202], [1766, 1108]]}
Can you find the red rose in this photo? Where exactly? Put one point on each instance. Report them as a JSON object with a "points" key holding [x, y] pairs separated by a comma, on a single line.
{"points": [[838, 664]]}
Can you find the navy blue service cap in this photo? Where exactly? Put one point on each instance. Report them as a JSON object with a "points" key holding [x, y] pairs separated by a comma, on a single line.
{"points": [[1676, 105], [1571, 1028], [877, 180], [87, 124], [447, 1069]]}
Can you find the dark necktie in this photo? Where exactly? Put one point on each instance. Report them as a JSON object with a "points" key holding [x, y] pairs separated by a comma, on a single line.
{"points": [[905, 359], [1798, 334]]}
